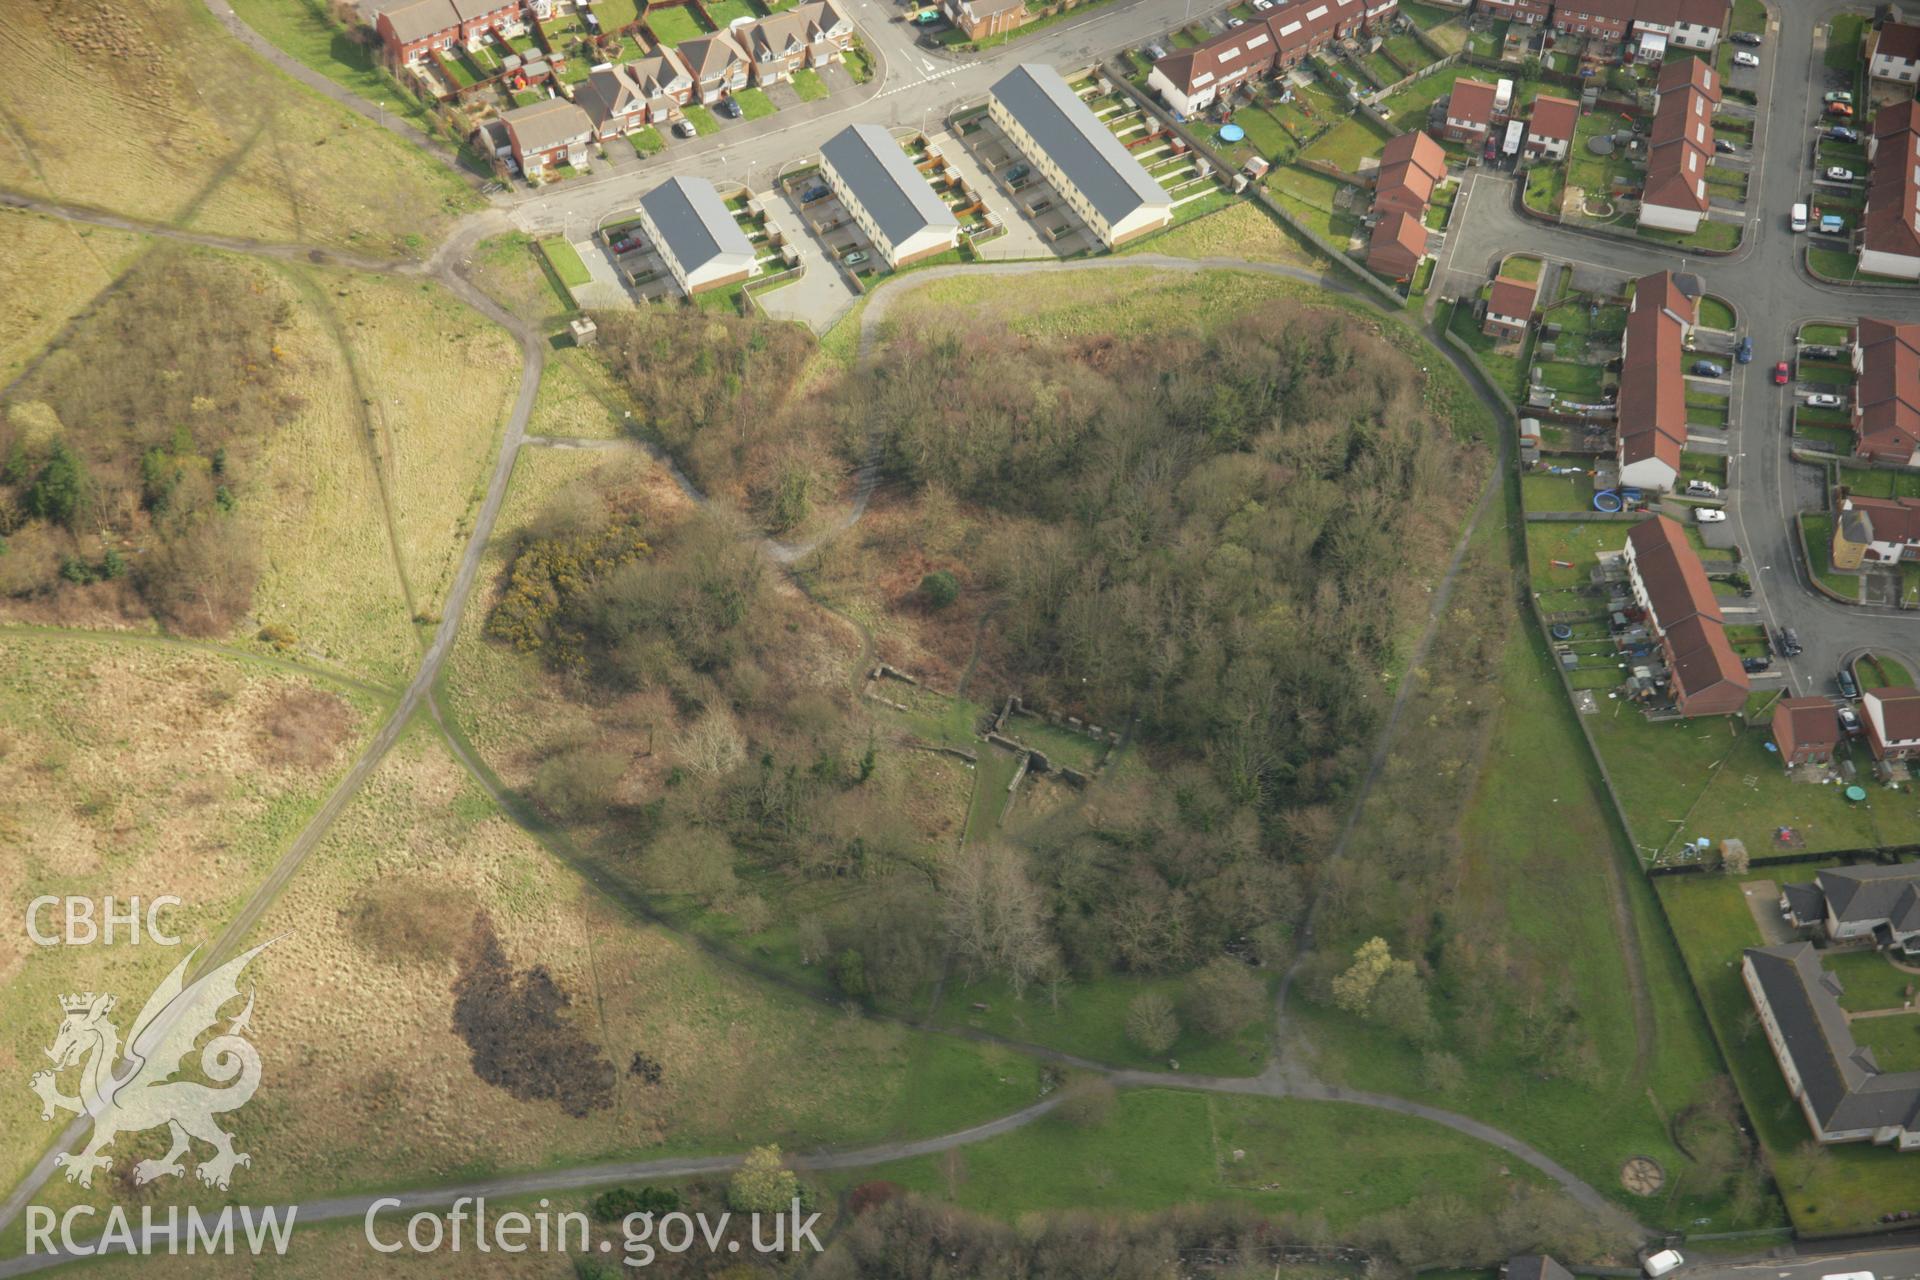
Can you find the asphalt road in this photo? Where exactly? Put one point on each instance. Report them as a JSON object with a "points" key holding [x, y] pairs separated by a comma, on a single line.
{"points": [[1767, 282]]}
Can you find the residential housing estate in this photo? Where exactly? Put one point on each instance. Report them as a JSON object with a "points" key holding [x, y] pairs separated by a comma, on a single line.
{"points": [[1550, 128], [1191, 80], [1650, 429], [1892, 717], [887, 196], [546, 134], [1893, 52], [1651, 25], [1867, 904], [1066, 143], [1806, 731], [1874, 532], [1704, 675]]}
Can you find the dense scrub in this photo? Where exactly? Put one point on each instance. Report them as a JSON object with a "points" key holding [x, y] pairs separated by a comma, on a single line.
{"points": [[126, 450], [1213, 540]]}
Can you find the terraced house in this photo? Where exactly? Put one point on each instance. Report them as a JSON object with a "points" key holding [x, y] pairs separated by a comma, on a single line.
{"points": [[1680, 147], [1191, 80], [1650, 429], [1098, 178], [1893, 52], [1704, 675], [1886, 392], [409, 29], [1411, 166], [696, 235], [889, 199], [642, 92], [718, 65], [1652, 25], [1889, 234]]}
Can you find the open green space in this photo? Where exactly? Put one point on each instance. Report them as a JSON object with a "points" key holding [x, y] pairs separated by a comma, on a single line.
{"points": [[1160, 1147], [566, 263], [1878, 669], [1894, 1040], [1869, 981], [1716, 313], [302, 29], [1522, 266]]}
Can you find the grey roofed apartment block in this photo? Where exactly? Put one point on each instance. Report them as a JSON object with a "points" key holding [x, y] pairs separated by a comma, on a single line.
{"points": [[1086, 150], [694, 224], [885, 182], [1844, 1087]]}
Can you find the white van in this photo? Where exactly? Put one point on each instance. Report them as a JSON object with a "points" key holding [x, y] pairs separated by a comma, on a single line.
{"points": [[1659, 1264], [1799, 218]]}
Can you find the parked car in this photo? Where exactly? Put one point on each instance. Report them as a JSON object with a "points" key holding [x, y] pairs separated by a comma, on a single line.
{"points": [[1235, 22], [729, 108], [1725, 148], [1748, 38], [1742, 58], [1838, 173], [855, 258], [1840, 133], [1822, 353], [1849, 687], [625, 244], [1832, 224], [1018, 172], [1826, 400], [1708, 369], [1039, 207], [1755, 664], [1841, 109], [1850, 721], [1744, 352], [1156, 52], [685, 129], [1659, 1264], [1709, 515], [811, 194], [1789, 642], [1837, 95], [1781, 374], [1702, 489]]}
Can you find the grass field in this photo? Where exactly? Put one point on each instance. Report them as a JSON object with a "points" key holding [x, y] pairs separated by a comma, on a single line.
{"points": [[136, 766], [507, 270], [1241, 230], [442, 380], [53, 269], [185, 127], [566, 263], [1548, 878], [1160, 1147], [302, 29], [577, 399], [674, 24]]}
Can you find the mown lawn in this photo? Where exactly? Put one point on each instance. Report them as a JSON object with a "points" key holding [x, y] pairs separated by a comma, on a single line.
{"points": [[754, 104], [1868, 981], [1717, 313], [566, 263], [1843, 41], [1826, 335], [808, 84], [1347, 144], [674, 24], [1817, 528]]}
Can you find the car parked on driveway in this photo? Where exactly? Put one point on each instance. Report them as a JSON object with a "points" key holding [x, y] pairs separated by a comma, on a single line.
{"points": [[1836, 173], [1826, 400], [729, 108], [1821, 353], [1708, 515], [1744, 352], [855, 258], [1850, 721], [1841, 133], [1755, 664], [1749, 38], [685, 129], [1841, 109], [1849, 687], [1781, 374], [1742, 58], [1724, 147], [1837, 95], [1702, 489], [1708, 369]]}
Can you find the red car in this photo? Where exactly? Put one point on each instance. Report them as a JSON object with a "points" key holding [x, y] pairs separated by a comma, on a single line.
{"points": [[1780, 374]]}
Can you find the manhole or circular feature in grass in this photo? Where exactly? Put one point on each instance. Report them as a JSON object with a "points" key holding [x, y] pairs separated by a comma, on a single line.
{"points": [[1642, 1175], [1597, 209], [1561, 631], [1600, 144]]}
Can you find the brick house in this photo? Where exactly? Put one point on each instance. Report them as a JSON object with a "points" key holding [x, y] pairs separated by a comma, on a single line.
{"points": [[1190, 80], [1889, 233], [1550, 129], [1806, 730], [1509, 308], [1470, 111], [982, 18], [1680, 147], [409, 29], [1411, 166], [808, 35], [642, 92], [696, 235], [718, 65], [1399, 242], [1871, 532], [545, 134]]}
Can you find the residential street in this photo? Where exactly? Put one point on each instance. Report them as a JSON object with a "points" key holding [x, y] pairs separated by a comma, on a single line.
{"points": [[1768, 285]]}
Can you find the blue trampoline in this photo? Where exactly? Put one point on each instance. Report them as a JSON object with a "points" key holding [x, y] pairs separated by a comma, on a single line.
{"points": [[1231, 133]]}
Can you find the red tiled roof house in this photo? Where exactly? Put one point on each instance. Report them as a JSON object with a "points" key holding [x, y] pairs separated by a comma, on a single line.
{"points": [[1704, 676], [1680, 147], [1889, 234], [1470, 111], [1411, 166], [1550, 130], [1886, 395], [1892, 718], [1806, 730], [1650, 428], [1509, 308], [1399, 242]]}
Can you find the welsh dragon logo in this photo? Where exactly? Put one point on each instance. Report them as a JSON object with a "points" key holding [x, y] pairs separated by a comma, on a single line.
{"points": [[134, 1091]]}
